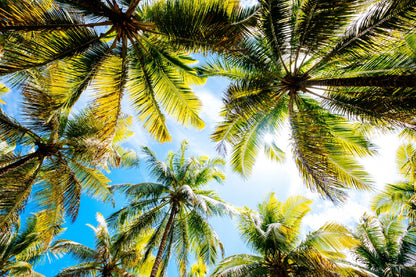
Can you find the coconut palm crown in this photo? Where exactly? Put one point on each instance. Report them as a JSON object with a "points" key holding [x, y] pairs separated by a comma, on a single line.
{"points": [[52, 157], [400, 197], [177, 206], [273, 233], [109, 258], [118, 47], [316, 63], [388, 246]]}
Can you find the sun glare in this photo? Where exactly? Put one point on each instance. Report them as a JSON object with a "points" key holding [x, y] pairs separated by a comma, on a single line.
{"points": [[268, 138]]}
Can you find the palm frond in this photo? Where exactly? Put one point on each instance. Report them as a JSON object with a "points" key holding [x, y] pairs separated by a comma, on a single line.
{"points": [[93, 181], [80, 72], [241, 265], [319, 22], [77, 250], [406, 161], [199, 25], [84, 269], [111, 83], [172, 93], [330, 240], [275, 16], [320, 154], [143, 97], [396, 198], [16, 188], [22, 53], [13, 131], [381, 21]]}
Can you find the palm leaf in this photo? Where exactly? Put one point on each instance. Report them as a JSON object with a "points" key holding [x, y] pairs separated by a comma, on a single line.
{"points": [[318, 153], [241, 265], [110, 84], [197, 25]]}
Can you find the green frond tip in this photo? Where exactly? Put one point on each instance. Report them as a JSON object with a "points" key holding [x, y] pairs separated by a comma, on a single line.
{"points": [[273, 152]]}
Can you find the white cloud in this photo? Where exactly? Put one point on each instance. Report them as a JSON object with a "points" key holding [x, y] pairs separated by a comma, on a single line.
{"points": [[383, 166], [211, 107], [325, 211], [247, 3]]}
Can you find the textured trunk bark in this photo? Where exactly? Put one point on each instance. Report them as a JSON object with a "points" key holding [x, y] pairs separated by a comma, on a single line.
{"points": [[387, 81], [21, 162], [163, 243]]}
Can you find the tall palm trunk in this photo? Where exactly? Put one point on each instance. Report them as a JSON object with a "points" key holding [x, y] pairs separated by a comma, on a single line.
{"points": [[162, 246], [28, 158], [387, 81]]}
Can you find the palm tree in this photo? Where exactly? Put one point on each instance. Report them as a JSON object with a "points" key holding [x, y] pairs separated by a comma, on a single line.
{"points": [[121, 46], [109, 258], [273, 232], [177, 207], [55, 156], [397, 198], [400, 197], [318, 63], [20, 249], [388, 246]]}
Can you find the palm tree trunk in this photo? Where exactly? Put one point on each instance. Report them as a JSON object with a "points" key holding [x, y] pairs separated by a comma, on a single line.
{"points": [[18, 163], [162, 246], [386, 81]]}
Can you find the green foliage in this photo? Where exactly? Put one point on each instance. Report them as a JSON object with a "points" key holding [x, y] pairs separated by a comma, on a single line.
{"points": [[109, 257], [121, 47], [57, 157], [387, 246], [400, 197], [177, 207], [319, 64], [273, 232], [21, 248]]}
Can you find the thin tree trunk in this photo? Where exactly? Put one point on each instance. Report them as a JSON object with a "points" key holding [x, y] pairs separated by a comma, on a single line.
{"points": [[162, 246], [18, 163], [386, 81]]}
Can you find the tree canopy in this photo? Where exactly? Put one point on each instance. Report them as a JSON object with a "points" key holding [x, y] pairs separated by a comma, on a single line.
{"points": [[319, 64]]}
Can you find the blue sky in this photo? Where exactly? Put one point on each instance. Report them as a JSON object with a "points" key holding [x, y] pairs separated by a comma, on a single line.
{"points": [[267, 177]]}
